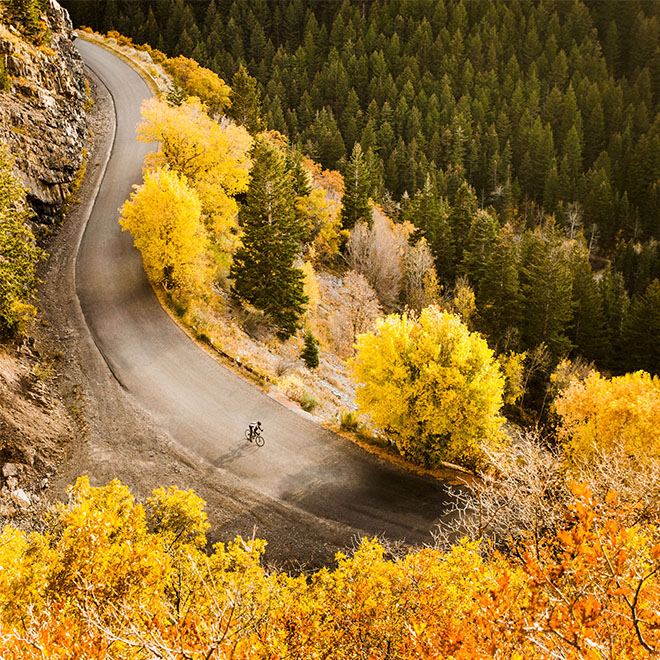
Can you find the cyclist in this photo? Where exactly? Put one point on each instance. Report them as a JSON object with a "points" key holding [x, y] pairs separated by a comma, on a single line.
{"points": [[255, 429]]}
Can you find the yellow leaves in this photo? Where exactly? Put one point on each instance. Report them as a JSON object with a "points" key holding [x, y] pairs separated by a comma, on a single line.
{"points": [[600, 415], [98, 574], [177, 517], [200, 82], [311, 287], [163, 216], [512, 365], [432, 383], [212, 158], [322, 215]]}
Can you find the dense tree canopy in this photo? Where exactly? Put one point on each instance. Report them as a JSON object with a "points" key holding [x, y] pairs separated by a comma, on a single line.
{"points": [[108, 577], [569, 113], [600, 414], [464, 128]]}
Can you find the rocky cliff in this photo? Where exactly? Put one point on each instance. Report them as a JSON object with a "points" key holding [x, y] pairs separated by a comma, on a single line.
{"points": [[42, 107]]}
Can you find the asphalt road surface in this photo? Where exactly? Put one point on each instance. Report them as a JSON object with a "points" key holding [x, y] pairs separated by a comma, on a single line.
{"points": [[203, 406]]}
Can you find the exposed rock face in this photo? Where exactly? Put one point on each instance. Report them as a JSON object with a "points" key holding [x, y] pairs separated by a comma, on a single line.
{"points": [[42, 115]]}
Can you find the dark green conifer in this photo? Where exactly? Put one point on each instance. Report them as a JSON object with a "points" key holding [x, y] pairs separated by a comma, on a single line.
{"points": [[263, 269], [615, 303], [587, 328], [310, 352], [429, 212], [498, 296], [547, 286], [478, 245], [642, 330], [357, 188], [245, 103]]}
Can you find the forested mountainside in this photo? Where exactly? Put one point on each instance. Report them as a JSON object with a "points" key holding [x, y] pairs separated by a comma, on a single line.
{"points": [[521, 139], [551, 103]]}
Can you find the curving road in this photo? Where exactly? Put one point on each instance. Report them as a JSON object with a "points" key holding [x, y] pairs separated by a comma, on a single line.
{"points": [[203, 406]]}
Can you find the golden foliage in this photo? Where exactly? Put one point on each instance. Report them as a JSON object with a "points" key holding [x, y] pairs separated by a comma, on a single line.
{"points": [[599, 414], [163, 216], [311, 288], [432, 385], [322, 214], [213, 158], [200, 82], [102, 582], [512, 365]]}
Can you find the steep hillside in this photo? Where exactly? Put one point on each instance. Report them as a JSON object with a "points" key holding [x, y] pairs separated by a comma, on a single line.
{"points": [[44, 125], [42, 105]]}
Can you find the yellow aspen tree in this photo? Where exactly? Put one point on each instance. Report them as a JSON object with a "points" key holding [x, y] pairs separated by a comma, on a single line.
{"points": [[322, 214], [430, 384], [213, 158], [163, 216], [200, 82], [600, 414]]}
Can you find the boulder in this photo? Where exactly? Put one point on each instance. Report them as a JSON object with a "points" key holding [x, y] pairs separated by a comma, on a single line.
{"points": [[9, 470], [21, 499]]}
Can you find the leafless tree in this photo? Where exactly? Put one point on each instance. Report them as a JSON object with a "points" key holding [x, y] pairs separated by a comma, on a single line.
{"points": [[359, 309], [522, 492], [522, 497], [377, 253], [418, 263], [573, 219]]}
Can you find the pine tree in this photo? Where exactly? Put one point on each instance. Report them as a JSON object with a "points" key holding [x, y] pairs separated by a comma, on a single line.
{"points": [[263, 270], [499, 295], [642, 330], [429, 213], [357, 188], [587, 328], [299, 174], [478, 245], [245, 104], [463, 208], [547, 291], [310, 352], [615, 304]]}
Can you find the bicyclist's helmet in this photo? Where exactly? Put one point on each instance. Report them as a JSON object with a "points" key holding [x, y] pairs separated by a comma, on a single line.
{"points": [[259, 424]]}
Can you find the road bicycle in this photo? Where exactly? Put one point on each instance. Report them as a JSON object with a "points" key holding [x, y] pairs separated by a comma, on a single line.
{"points": [[254, 435]]}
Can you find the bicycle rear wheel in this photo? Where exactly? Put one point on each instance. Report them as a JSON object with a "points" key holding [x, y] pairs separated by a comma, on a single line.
{"points": [[248, 435], [259, 439]]}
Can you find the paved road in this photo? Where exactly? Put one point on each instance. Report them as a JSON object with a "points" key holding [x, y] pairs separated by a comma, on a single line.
{"points": [[200, 404]]}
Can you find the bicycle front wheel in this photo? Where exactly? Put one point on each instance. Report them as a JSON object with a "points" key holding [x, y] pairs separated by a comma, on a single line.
{"points": [[259, 440]]}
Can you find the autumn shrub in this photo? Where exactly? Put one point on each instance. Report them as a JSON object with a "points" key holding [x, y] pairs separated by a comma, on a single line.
{"points": [[111, 578], [598, 414], [307, 402], [348, 420], [431, 385]]}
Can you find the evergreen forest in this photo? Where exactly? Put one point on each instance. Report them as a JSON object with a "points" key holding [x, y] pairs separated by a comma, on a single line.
{"points": [[521, 139]]}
